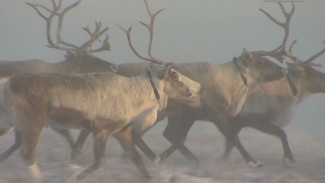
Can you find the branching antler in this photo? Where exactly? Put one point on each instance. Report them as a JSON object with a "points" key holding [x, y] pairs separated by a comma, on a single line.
{"points": [[312, 58], [97, 33], [60, 43], [281, 52], [150, 28], [308, 62]]}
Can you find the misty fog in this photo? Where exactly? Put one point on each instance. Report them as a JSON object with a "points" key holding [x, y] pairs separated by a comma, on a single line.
{"points": [[186, 31]]}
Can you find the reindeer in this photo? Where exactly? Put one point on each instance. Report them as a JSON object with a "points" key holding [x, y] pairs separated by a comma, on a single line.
{"points": [[270, 106], [273, 104], [224, 89], [77, 60], [102, 103]]}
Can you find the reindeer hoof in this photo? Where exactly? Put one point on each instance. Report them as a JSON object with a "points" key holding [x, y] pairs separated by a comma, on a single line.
{"points": [[254, 164], [34, 168], [289, 162]]}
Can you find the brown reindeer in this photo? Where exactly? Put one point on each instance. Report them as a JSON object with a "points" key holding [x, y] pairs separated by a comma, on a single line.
{"points": [[224, 90], [270, 106], [273, 105], [78, 58], [102, 103]]}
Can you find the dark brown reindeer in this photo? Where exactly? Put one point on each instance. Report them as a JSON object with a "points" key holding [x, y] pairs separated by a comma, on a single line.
{"points": [[79, 59], [270, 106], [224, 89]]}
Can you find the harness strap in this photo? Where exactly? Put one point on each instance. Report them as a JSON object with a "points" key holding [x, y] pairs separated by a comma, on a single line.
{"points": [[244, 79], [155, 91], [293, 87]]}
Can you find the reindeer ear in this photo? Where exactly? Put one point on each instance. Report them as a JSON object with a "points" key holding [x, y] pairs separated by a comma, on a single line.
{"points": [[167, 71], [174, 74]]}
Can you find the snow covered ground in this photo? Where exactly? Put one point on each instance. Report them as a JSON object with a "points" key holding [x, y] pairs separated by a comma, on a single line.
{"points": [[204, 140]]}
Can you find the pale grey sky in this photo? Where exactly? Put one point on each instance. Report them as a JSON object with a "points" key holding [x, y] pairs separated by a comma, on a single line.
{"points": [[187, 31]]}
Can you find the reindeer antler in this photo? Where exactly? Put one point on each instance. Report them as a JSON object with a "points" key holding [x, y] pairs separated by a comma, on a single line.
{"points": [[281, 52], [312, 58], [150, 28], [308, 62], [60, 43]]}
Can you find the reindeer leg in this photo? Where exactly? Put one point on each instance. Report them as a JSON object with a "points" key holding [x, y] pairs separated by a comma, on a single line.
{"points": [[139, 126], [18, 140], [126, 140], [29, 142], [227, 129], [228, 143], [271, 129], [176, 132], [144, 147], [163, 156], [79, 144], [182, 148], [229, 146], [100, 139]]}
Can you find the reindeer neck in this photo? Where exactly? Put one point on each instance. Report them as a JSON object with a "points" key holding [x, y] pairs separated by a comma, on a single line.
{"points": [[230, 74], [302, 90], [285, 88], [150, 89], [231, 88]]}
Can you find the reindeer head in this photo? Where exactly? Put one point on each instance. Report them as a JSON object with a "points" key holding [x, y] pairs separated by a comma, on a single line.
{"points": [[83, 62], [301, 74], [306, 79], [175, 84], [254, 67]]}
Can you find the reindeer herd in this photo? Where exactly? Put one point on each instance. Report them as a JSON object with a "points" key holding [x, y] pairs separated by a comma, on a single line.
{"points": [[103, 99]]}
